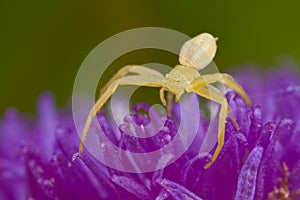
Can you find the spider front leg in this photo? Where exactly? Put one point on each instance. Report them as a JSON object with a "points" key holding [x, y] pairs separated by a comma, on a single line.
{"points": [[137, 69], [229, 81], [140, 80], [213, 94]]}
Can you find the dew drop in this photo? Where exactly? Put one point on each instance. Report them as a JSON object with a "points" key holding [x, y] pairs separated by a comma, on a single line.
{"points": [[167, 138], [242, 138], [75, 156]]}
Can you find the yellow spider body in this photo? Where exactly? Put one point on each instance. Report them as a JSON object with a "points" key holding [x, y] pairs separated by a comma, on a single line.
{"points": [[195, 55]]}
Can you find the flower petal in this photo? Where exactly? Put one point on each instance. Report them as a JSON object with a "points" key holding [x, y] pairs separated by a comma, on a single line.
{"points": [[177, 191], [131, 186], [247, 179]]}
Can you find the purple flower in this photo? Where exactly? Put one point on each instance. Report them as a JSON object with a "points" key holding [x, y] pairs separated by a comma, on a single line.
{"points": [[39, 159]]}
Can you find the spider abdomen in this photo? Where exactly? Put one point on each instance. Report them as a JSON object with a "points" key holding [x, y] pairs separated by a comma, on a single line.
{"points": [[199, 51]]}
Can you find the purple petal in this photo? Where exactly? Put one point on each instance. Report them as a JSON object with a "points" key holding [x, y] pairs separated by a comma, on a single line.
{"points": [[177, 191], [247, 179], [131, 186]]}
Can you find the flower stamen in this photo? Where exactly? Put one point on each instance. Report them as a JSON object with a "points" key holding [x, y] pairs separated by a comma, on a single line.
{"points": [[283, 193]]}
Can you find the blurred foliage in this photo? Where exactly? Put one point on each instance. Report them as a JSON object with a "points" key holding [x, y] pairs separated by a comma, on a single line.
{"points": [[44, 42]]}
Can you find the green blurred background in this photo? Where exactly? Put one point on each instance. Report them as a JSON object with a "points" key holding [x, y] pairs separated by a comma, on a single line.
{"points": [[43, 43]]}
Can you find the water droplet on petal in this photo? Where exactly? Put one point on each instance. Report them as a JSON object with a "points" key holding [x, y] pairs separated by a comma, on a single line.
{"points": [[75, 156]]}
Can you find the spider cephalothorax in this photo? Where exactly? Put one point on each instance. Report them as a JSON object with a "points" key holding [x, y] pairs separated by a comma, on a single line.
{"points": [[195, 55]]}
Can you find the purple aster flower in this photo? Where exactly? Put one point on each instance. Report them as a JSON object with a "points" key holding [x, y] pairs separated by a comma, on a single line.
{"points": [[39, 159]]}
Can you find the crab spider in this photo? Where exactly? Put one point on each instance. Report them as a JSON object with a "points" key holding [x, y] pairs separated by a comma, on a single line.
{"points": [[195, 55]]}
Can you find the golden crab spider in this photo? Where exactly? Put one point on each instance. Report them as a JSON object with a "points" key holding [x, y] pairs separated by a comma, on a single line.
{"points": [[194, 55]]}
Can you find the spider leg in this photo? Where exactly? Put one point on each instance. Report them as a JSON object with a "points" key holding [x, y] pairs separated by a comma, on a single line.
{"points": [[137, 69], [168, 103], [141, 80], [213, 94], [201, 82], [162, 96], [229, 81]]}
